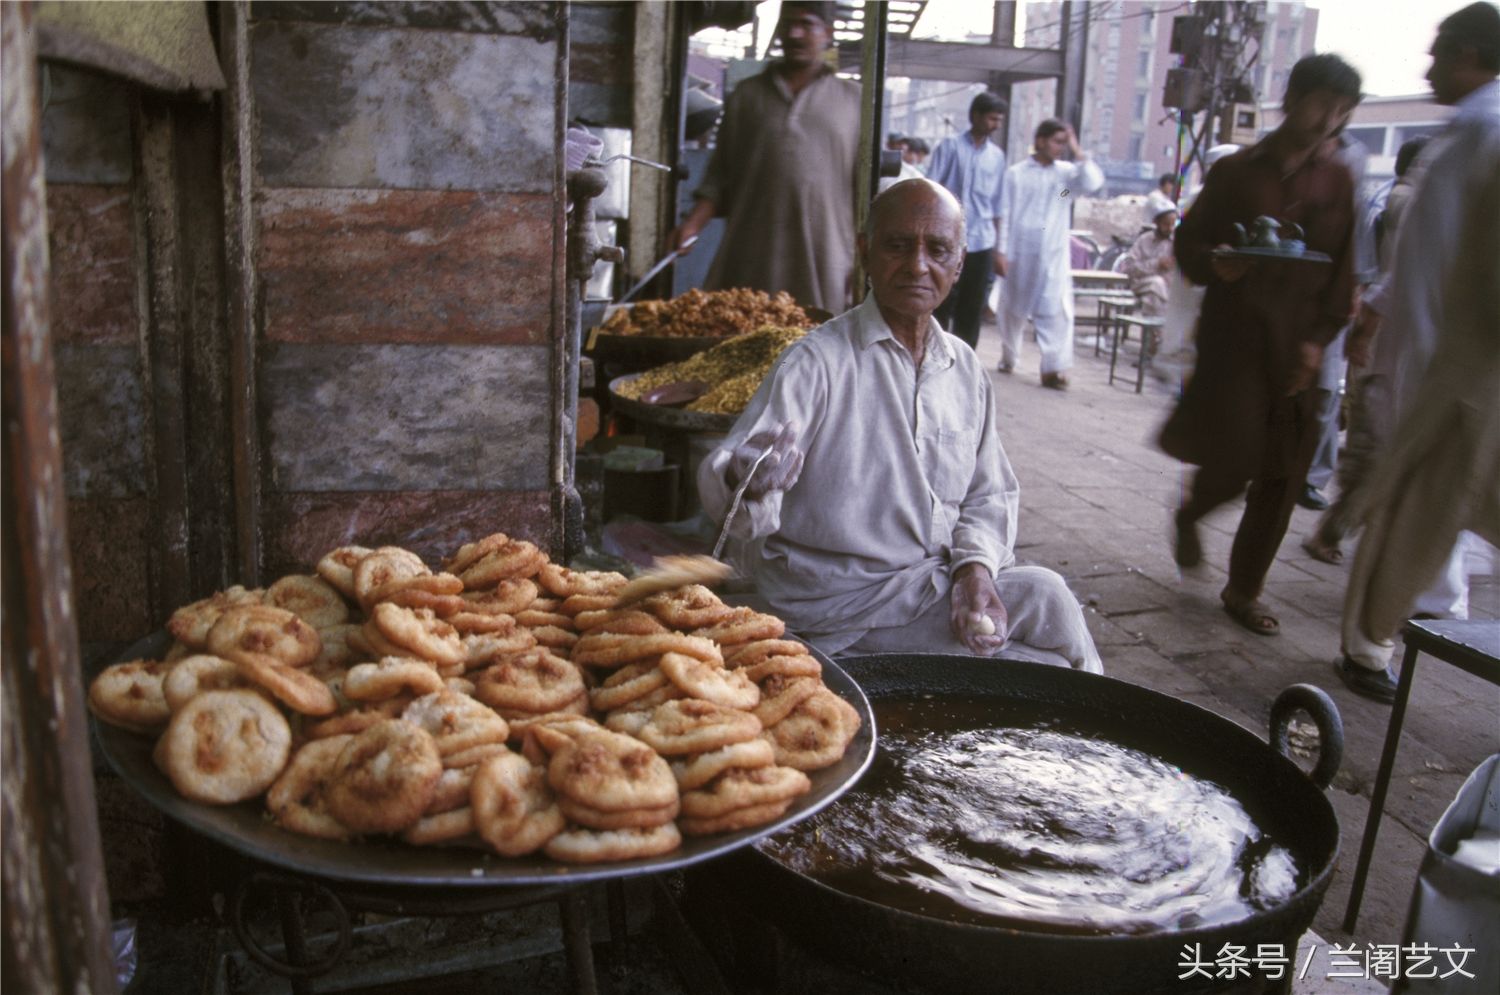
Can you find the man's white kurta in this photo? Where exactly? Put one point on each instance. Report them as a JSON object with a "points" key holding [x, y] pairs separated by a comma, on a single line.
{"points": [[1034, 224], [904, 481]]}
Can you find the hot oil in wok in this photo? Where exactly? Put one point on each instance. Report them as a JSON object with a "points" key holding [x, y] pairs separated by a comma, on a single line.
{"points": [[1014, 821]]}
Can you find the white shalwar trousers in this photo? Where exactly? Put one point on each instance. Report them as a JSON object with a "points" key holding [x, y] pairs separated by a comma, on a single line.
{"points": [[1054, 336]]}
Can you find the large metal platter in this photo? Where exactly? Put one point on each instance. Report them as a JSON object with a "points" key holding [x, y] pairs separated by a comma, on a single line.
{"points": [[665, 417], [246, 829]]}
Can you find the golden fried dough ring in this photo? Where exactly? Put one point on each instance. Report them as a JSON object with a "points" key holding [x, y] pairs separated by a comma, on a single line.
{"points": [[545, 604], [420, 632], [384, 778], [586, 846], [741, 788], [691, 607], [470, 623], [179, 650], [514, 810], [456, 723], [442, 605], [384, 570], [558, 640], [196, 674], [624, 622], [816, 733], [356, 720], [710, 681], [564, 583], [573, 604], [337, 651], [442, 827], [297, 689], [626, 685], [568, 722], [506, 598], [131, 695], [779, 695], [593, 818], [459, 685], [627, 720], [534, 681], [190, 623], [471, 553], [746, 654], [520, 720], [668, 573], [483, 648], [310, 598], [606, 649], [697, 770], [296, 800], [390, 676], [691, 725], [374, 644], [516, 558], [651, 699], [783, 666], [452, 789], [742, 818], [337, 568], [474, 755], [743, 625], [261, 630], [611, 772], [534, 617], [225, 746]]}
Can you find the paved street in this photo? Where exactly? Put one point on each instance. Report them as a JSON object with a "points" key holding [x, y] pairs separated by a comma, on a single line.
{"points": [[1095, 500]]}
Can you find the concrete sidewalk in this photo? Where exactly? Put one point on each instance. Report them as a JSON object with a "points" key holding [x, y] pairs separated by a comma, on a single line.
{"points": [[1096, 497]]}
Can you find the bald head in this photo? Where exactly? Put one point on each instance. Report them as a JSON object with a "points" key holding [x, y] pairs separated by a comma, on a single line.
{"points": [[921, 196], [912, 250]]}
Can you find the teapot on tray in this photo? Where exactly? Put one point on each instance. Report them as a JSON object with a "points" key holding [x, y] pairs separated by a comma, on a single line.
{"points": [[1267, 233]]}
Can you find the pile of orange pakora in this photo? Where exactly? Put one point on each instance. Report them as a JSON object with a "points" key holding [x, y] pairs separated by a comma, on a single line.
{"points": [[708, 314], [504, 702]]}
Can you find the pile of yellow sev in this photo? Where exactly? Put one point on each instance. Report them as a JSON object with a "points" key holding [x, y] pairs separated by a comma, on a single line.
{"points": [[733, 370]]}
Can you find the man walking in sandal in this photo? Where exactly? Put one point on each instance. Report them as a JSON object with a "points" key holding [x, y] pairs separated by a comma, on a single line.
{"points": [[1250, 412]]}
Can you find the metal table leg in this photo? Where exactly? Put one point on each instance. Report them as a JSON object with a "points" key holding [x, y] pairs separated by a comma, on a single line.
{"points": [[577, 944], [1382, 783]]}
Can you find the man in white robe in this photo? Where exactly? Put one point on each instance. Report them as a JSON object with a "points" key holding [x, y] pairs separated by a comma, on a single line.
{"points": [[1441, 473], [1033, 245], [885, 517]]}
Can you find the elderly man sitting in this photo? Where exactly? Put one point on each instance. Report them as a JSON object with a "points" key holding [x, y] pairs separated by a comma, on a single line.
{"points": [[884, 518], [1149, 261]]}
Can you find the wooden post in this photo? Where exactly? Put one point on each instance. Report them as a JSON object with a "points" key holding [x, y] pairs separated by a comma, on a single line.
{"points": [[56, 936]]}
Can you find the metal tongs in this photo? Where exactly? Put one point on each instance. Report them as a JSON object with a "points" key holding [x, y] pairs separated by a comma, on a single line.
{"points": [[671, 572], [739, 494]]}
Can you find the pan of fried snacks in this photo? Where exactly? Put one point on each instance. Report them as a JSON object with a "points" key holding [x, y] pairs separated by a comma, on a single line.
{"points": [[648, 332], [730, 373], [499, 721]]}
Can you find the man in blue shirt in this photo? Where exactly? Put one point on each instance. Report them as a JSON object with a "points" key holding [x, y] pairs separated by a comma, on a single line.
{"points": [[973, 170]]}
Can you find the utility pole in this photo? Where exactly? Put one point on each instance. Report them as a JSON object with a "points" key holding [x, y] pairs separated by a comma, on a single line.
{"points": [[1219, 44]]}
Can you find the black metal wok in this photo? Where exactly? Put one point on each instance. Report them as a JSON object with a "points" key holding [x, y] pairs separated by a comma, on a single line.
{"points": [[945, 956]]}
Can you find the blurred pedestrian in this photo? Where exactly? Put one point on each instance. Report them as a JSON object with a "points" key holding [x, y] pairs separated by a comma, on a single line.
{"points": [[1249, 412], [1441, 472], [1033, 247], [783, 172], [1164, 197], [973, 169]]}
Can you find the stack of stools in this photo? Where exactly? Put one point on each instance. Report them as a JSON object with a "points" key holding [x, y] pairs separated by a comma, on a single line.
{"points": [[1150, 332], [1111, 308]]}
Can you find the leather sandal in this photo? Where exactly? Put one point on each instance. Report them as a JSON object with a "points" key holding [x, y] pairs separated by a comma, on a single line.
{"points": [[1054, 381], [1251, 614]]}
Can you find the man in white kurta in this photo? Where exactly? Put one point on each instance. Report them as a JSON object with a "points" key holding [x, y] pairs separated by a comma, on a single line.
{"points": [[885, 521], [1034, 221], [1441, 473]]}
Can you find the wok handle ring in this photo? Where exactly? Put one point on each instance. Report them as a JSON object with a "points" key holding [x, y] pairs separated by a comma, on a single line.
{"points": [[289, 893], [1325, 715]]}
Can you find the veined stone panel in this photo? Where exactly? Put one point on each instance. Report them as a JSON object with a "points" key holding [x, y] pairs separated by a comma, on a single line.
{"points": [[507, 18], [405, 418], [93, 276], [102, 419], [366, 266], [342, 106], [301, 527]]}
